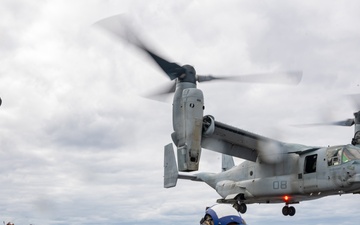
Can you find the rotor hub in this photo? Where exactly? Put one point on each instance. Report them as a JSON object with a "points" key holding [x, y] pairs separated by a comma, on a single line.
{"points": [[189, 74]]}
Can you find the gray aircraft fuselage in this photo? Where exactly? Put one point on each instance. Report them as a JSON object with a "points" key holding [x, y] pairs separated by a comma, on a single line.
{"points": [[322, 172]]}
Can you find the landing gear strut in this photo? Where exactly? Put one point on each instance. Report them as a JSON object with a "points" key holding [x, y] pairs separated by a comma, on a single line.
{"points": [[288, 210], [240, 207]]}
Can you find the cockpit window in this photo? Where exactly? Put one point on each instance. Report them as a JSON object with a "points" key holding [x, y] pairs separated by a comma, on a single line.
{"points": [[342, 154], [334, 156], [350, 153]]}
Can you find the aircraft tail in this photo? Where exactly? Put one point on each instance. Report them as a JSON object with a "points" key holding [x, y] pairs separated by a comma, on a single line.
{"points": [[171, 173], [227, 162]]}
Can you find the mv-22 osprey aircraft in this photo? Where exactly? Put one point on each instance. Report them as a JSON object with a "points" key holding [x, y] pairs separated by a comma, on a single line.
{"points": [[273, 171]]}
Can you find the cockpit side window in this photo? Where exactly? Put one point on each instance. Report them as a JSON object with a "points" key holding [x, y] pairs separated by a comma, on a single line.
{"points": [[334, 156]]}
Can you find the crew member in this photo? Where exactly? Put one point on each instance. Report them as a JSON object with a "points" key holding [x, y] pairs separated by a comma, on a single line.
{"points": [[222, 214]]}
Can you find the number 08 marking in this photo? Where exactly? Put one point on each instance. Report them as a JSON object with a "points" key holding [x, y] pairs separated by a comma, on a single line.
{"points": [[280, 184]]}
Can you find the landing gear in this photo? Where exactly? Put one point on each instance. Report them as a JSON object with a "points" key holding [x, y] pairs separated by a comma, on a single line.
{"points": [[240, 207], [288, 211]]}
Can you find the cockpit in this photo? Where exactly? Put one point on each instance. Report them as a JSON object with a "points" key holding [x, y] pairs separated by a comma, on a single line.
{"points": [[341, 154]]}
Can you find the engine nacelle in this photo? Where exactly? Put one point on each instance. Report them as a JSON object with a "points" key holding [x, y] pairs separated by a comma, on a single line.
{"points": [[189, 129]]}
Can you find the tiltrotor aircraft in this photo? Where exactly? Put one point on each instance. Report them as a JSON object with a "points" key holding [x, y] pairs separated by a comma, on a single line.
{"points": [[273, 171]]}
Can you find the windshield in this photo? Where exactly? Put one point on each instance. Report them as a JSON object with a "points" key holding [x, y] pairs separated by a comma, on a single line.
{"points": [[350, 153], [342, 154]]}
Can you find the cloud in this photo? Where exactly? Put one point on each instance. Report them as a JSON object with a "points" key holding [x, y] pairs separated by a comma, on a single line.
{"points": [[78, 144]]}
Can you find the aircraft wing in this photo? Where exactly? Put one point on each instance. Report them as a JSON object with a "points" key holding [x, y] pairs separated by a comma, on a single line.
{"points": [[236, 142]]}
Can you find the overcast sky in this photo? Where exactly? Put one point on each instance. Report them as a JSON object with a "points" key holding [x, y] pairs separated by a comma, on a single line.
{"points": [[79, 145]]}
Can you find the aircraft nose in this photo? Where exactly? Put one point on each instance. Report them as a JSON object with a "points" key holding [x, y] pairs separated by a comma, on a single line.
{"points": [[353, 172], [355, 178]]}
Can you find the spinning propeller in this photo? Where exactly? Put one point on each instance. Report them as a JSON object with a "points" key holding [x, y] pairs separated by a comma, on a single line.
{"points": [[353, 121], [347, 122], [118, 26]]}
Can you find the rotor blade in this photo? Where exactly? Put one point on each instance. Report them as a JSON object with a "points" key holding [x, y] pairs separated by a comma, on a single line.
{"points": [[343, 123], [287, 77], [168, 89], [204, 78], [117, 26], [161, 94]]}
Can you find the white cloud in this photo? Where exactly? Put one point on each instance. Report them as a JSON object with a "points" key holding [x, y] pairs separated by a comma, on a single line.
{"points": [[78, 144]]}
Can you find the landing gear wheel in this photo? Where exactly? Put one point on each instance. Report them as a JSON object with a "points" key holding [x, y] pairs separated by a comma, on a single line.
{"points": [[285, 210], [242, 208], [237, 207], [288, 211], [292, 211]]}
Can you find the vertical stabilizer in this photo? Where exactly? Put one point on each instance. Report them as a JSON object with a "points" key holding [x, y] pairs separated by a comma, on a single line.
{"points": [[170, 169], [227, 162]]}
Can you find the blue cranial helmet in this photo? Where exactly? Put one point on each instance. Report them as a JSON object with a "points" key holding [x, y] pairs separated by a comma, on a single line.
{"points": [[222, 214]]}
